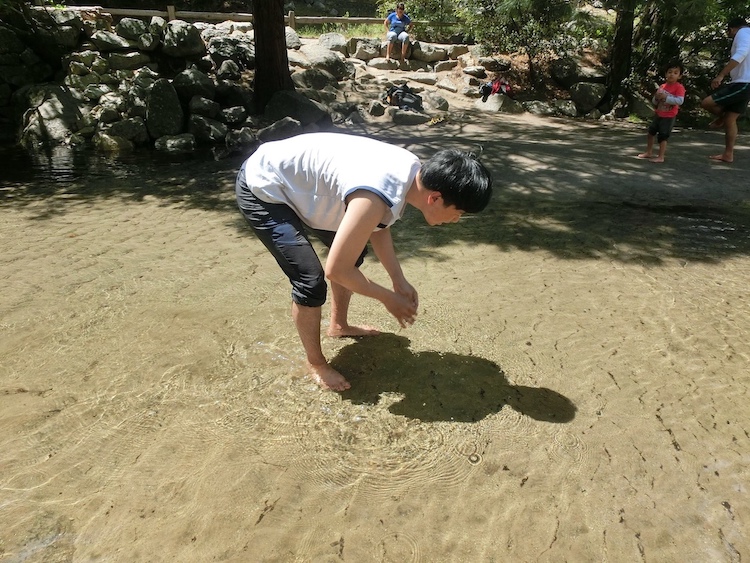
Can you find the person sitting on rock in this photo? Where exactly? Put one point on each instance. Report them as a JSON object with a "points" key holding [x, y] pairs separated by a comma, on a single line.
{"points": [[397, 25]]}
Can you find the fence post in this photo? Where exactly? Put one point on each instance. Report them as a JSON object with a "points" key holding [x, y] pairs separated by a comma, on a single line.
{"points": [[292, 23], [171, 12]]}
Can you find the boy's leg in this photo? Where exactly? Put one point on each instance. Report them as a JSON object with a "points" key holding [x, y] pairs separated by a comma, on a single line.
{"points": [[649, 147], [730, 137], [340, 299], [662, 152], [307, 321]]}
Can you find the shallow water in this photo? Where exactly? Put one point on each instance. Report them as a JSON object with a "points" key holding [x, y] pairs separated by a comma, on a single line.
{"points": [[574, 388]]}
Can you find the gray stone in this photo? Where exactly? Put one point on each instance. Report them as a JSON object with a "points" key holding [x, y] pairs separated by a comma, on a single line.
{"points": [[133, 129], [334, 42], [163, 111], [404, 117], [239, 138], [289, 103], [106, 142], [184, 143], [203, 106], [108, 41], [131, 28], [428, 52], [282, 129], [587, 95], [128, 61], [206, 130], [292, 39], [193, 82], [182, 39], [233, 116], [328, 60], [499, 103], [229, 70], [316, 78], [477, 71]]}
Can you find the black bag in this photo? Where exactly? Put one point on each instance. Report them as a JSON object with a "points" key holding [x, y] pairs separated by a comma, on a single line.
{"points": [[404, 98]]}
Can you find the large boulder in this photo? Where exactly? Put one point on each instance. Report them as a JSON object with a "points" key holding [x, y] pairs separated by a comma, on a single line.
{"points": [[289, 103], [193, 82], [53, 117], [328, 60], [587, 95], [183, 39], [164, 114]]}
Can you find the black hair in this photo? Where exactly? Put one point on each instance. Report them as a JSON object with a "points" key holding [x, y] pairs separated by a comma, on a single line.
{"points": [[675, 64], [737, 22], [460, 178]]}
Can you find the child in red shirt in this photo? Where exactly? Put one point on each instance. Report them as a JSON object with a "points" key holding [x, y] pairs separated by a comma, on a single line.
{"points": [[667, 101]]}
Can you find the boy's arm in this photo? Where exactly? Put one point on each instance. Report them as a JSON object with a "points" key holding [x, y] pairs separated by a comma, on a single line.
{"points": [[382, 244], [365, 210]]}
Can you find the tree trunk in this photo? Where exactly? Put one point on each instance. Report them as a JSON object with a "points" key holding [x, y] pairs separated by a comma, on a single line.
{"points": [[271, 61], [622, 49]]}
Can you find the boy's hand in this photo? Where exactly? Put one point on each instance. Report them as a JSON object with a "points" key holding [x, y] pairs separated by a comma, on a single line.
{"points": [[404, 288], [403, 308]]}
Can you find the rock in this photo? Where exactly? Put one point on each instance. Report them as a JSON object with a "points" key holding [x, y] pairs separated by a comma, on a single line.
{"points": [[203, 106], [316, 78], [334, 42], [328, 60], [109, 41], [587, 96], [206, 130], [131, 28], [128, 61], [282, 129], [193, 82], [106, 142], [289, 103], [164, 114], [182, 39], [499, 102], [405, 117], [184, 143], [292, 39]]}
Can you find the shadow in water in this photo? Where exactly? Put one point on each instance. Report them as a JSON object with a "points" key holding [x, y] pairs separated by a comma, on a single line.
{"points": [[438, 386]]}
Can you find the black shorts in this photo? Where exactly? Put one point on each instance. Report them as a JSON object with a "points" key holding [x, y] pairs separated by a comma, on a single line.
{"points": [[281, 230], [732, 97], [661, 127]]}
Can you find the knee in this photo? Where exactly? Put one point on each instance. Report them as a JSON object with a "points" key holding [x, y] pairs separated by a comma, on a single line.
{"points": [[310, 292], [707, 102]]}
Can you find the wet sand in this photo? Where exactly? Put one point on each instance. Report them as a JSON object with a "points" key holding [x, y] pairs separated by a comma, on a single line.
{"points": [[575, 388]]}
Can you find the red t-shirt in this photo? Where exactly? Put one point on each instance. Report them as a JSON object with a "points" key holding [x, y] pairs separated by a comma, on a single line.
{"points": [[663, 109]]}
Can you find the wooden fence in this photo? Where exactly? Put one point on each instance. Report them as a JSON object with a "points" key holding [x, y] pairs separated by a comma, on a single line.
{"points": [[172, 13]]}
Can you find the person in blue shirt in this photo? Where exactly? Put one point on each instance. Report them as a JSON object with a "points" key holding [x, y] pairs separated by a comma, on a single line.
{"points": [[397, 25]]}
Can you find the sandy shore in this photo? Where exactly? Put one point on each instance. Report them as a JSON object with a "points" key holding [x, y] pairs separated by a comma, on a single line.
{"points": [[574, 389]]}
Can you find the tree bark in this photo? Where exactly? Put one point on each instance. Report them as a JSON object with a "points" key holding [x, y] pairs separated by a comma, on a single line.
{"points": [[622, 49], [271, 61]]}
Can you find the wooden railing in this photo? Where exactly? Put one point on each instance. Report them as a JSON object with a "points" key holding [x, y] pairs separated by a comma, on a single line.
{"points": [[172, 13]]}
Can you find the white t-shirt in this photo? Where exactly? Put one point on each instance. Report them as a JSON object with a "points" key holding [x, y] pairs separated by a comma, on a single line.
{"points": [[741, 54], [315, 172]]}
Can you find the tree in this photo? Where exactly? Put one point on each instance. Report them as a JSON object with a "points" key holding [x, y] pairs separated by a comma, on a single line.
{"points": [[271, 61], [622, 49]]}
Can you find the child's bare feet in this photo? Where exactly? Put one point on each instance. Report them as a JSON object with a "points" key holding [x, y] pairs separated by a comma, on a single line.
{"points": [[722, 158], [657, 159], [328, 378], [645, 155], [336, 331]]}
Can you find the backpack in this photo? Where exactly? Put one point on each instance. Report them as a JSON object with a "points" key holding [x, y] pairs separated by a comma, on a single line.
{"points": [[403, 97]]}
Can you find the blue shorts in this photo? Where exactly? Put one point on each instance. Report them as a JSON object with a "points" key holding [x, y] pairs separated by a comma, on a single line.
{"points": [[732, 97], [284, 234]]}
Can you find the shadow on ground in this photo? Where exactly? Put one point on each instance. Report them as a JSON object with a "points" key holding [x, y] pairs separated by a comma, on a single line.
{"points": [[570, 187], [435, 386]]}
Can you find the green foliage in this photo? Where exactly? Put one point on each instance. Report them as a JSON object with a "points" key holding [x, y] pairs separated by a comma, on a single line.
{"points": [[359, 30]]}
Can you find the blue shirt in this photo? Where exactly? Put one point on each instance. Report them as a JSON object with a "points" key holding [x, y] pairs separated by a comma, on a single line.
{"points": [[398, 25]]}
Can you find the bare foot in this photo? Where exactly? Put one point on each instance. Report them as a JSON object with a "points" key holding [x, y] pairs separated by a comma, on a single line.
{"points": [[717, 123], [721, 158], [657, 159], [349, 330], [645, 155], [328, 378]]}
